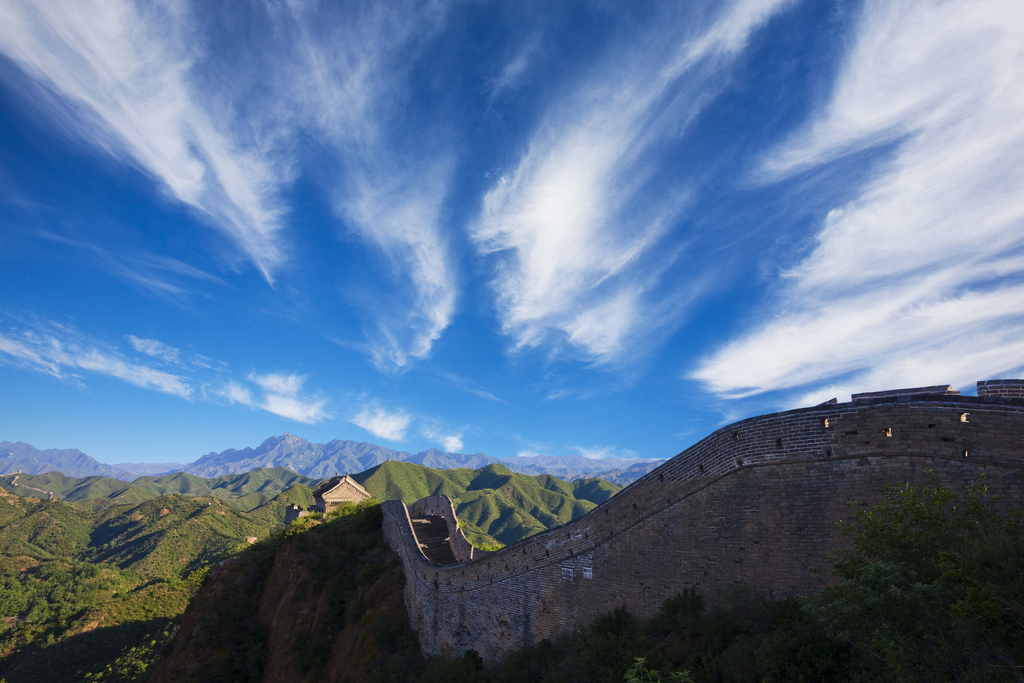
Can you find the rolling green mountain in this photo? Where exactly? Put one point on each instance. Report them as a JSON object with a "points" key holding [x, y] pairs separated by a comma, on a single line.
{"points": [[78, 586], [95, 572], [494, 504], [246, 491]]}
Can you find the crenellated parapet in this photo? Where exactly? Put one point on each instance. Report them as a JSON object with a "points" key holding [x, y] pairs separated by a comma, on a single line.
{"points": [[755, 502]]}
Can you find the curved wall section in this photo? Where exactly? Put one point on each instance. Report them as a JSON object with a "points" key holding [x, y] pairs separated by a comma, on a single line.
{"points": [[442, 506], [756, 502]]}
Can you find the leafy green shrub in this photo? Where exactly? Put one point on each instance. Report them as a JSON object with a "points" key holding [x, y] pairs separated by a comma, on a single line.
{"points": [[934, 585], [638, 673]]}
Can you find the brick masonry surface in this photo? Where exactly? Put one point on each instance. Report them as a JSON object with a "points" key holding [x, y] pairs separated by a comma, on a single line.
{"points": [[1006, 388], [442, 506], [756, 503]]}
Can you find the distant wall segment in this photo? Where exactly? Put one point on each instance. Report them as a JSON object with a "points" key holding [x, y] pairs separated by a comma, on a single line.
{"points": [[442, 506], [756, 502]]}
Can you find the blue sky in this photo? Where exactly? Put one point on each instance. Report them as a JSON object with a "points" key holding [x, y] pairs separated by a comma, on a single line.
{"points": [[561, 228]]}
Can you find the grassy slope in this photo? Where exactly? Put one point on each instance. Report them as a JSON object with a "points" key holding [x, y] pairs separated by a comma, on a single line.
{"points": [[63, 487], [493, 503]]}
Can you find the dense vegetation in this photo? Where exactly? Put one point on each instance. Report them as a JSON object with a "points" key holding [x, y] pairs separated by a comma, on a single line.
{"points": [[346, 622], [78, 588], [495, 506]]}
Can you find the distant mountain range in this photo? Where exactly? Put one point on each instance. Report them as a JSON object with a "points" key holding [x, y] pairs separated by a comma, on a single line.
{"points": [[22, 457], [315, 460]]}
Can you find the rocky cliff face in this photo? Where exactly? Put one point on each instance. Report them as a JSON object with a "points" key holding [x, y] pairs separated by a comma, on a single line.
{"points": [[326, 604]]}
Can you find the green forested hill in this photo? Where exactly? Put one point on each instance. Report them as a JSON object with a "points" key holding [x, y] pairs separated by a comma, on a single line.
{"points": [[78, 586], [99, 572], [245, 491], [493, 503]]}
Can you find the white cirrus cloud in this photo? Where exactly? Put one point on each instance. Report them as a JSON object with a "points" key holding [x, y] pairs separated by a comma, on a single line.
{"points": [[141, 269], [294, 408], [155, 348], [452, 443], [133, 79], [236, 393], [404, 225], [602, 452], [577, 227], [514, 69], [123, 73], [596, 452], [469, 386], [350, 82], [916, 280], [60, 351], [281, 397], [287, 385], [380, 422]]}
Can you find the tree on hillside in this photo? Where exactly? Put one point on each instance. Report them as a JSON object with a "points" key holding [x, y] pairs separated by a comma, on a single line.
{"points": [[934, 585]]}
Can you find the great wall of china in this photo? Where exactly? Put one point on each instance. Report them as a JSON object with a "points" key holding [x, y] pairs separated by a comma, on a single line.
{"points": [[755, 502]]}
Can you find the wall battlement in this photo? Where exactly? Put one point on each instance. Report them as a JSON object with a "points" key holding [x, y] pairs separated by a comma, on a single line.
{"points": [[1002, 388], [755, 502]]}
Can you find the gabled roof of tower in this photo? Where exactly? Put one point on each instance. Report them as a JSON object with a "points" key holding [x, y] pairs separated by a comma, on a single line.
{"points": [[336, 482]]}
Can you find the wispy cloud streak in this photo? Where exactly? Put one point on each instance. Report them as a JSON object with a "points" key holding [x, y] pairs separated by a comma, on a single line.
{"points": [[918, 279], [124, 72], [390, 425], [147, 84], [577, 227], [281, 396], [155, 348], [352, 81], [452, 443], [61, 352]]}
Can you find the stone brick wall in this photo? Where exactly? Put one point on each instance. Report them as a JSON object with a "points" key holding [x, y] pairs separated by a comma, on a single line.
{"points": [[1005, 388], [442, 506], [755, 502], [292, 513]]}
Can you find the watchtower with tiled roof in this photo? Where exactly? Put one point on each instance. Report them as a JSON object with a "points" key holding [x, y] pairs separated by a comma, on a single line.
{"points": [[337, 490]]}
